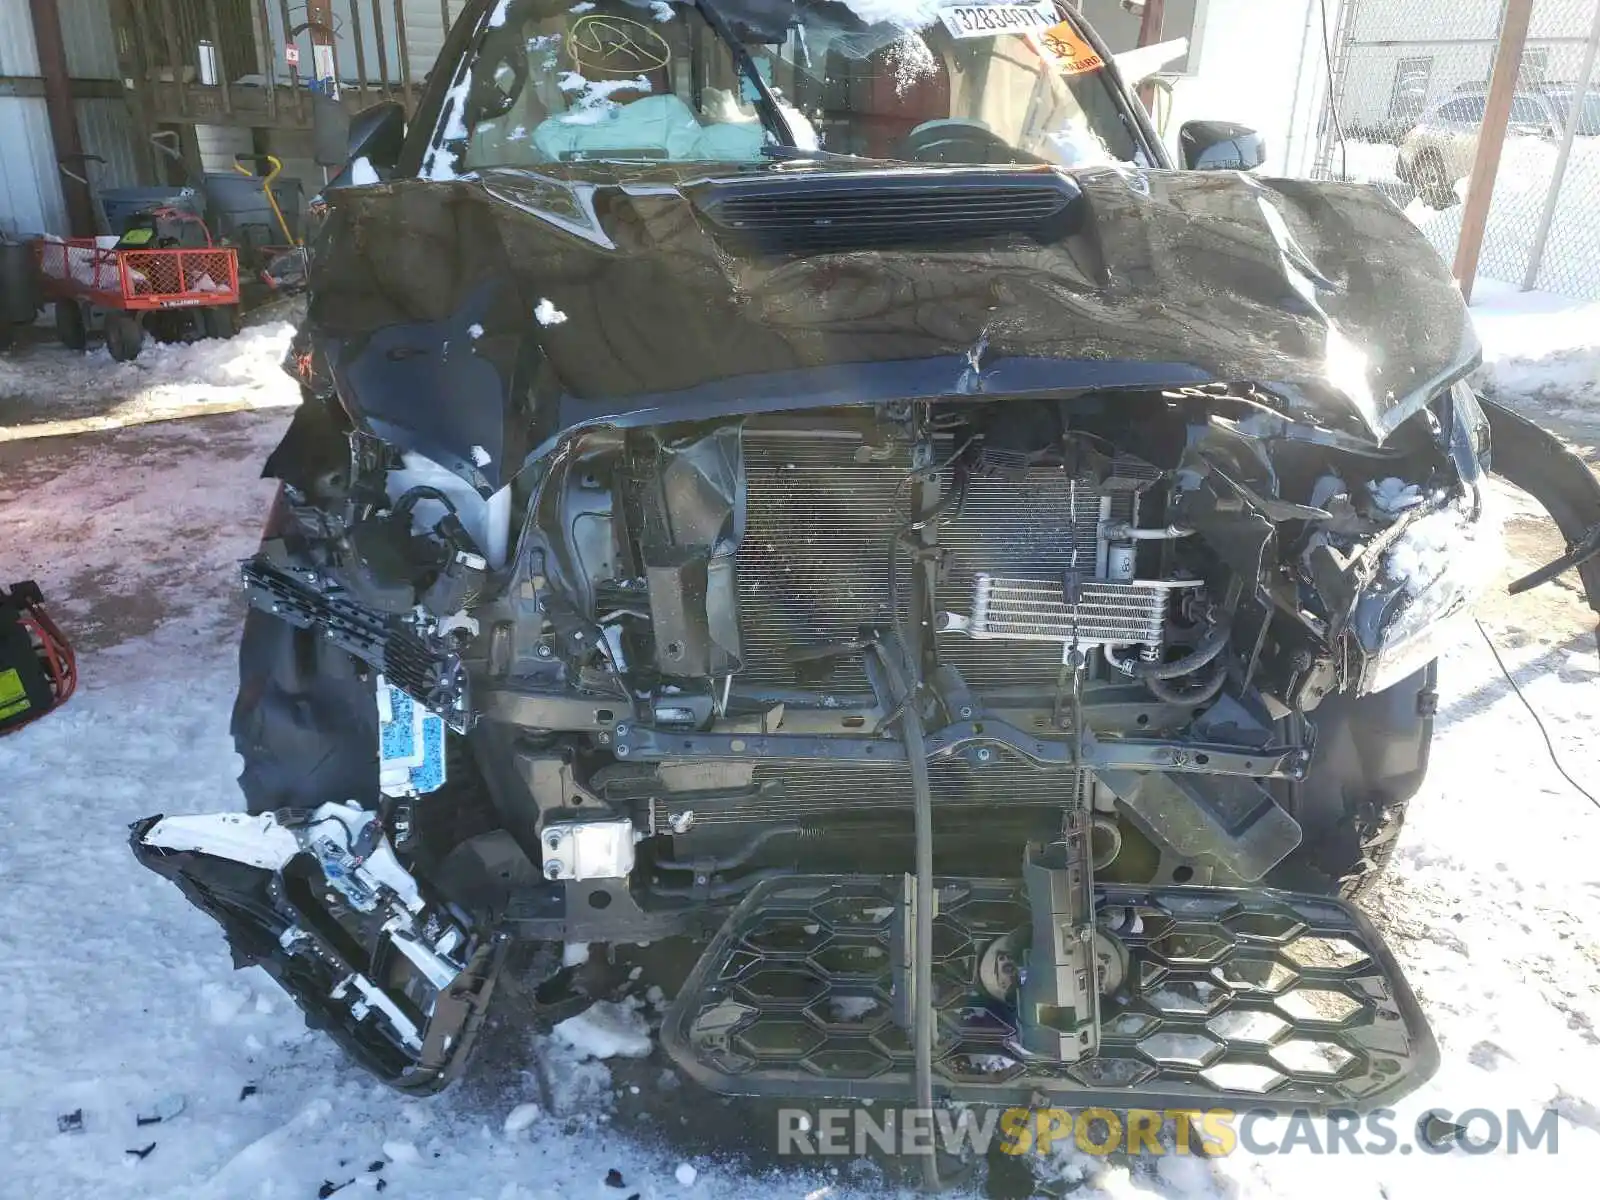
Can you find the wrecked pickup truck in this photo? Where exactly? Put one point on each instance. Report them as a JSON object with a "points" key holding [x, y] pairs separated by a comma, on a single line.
{"points": [[821, 482]]}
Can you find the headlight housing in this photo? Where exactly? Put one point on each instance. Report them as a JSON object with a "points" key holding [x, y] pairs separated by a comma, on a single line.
{"points": [[1443, 561]]}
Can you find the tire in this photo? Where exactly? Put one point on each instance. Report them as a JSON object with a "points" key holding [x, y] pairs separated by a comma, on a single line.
{"points": [[124, 336], [1434, 184], [172, 327], [71, 329], [221, 321], [1370, 760], [305, 721]]}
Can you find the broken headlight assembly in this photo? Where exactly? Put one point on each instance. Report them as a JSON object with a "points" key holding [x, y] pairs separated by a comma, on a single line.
{"points": [[1439, 558]]}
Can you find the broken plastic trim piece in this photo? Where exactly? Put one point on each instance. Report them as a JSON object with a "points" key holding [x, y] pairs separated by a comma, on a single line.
{"points": [[410, 651], [307, 922], [1537, 462]]}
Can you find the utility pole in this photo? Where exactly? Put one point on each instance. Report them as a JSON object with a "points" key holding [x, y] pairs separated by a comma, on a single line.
{"points": [[1491, 141]]}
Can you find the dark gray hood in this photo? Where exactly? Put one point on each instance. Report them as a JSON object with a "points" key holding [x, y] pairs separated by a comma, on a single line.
{"points": [[425, 296]]}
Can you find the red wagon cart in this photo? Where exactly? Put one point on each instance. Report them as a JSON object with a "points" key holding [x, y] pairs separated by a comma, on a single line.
{"points": [[85, 278]]}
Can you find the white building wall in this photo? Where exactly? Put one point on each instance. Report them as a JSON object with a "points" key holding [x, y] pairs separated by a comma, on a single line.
{"points": [[1255, 62]]}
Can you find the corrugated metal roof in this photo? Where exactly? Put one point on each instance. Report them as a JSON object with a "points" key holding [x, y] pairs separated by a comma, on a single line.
{"points": [[30, 196], [18, 53]]}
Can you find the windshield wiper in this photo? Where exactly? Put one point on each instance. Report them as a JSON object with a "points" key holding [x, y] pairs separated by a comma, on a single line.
{"points": [[766, 103]]}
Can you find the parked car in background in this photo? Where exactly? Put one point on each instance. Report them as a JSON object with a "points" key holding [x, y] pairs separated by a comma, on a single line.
{"points": [[1440, 148]]}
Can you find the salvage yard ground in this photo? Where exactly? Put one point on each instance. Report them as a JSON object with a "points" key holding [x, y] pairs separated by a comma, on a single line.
{"points": [[119, 999]]}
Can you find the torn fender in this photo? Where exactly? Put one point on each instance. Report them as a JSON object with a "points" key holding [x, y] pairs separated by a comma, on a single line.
{"points": [[1537, 461], [339, 924]]}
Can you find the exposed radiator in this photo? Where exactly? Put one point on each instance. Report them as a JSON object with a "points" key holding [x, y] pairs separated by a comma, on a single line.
{"points": [[813, 566], [1036, 610]]}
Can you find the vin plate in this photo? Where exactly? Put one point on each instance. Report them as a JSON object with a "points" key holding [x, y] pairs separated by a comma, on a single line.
{"points": [[993, 20]]}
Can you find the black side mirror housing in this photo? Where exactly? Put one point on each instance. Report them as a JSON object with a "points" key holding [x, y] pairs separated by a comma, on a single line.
{"points": [[1220, 146], [377, 134]]}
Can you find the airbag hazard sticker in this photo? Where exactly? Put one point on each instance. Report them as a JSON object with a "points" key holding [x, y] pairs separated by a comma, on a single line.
{"points": [[1064, 44]]}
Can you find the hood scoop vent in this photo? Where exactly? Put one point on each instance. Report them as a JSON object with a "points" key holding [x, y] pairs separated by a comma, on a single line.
{"points": [[814, 214]]}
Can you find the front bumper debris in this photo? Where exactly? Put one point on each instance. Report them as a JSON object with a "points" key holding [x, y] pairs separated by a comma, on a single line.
{"points": [[368, 956], [1211, 997]]}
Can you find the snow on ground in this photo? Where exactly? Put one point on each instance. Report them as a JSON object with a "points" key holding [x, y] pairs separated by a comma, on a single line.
{"points": [[1366, 162], [1538, 349], [48, 384]]}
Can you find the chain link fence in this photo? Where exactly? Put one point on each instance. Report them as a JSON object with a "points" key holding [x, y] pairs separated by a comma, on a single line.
{"points": [[1410, 81]]}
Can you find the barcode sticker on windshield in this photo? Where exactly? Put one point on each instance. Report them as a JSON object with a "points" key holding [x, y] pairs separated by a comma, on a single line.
{"points": [[993, 20]]}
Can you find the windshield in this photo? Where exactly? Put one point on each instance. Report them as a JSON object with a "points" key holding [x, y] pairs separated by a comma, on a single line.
{"points": [[749, 80]]}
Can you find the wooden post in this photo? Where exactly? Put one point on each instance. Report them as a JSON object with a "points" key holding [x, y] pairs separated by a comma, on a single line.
{"points": [[133, 63], [319, 19], [360, 41], [267, 58], [1155, 15], [1491, 141], [216, 49], [294, 71], [62, 113], [381, 42], [169, 25], [404, 51]]}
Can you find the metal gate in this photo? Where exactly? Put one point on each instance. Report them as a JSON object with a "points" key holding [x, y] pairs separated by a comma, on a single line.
{"points": [[1409, 86]]}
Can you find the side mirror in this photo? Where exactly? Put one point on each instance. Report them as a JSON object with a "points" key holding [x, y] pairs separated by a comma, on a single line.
{"points": [[377, 133], [1220, 146]]}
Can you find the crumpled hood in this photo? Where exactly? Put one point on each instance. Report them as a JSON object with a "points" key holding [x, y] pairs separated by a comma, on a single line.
{"points": [[426, 300]]}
